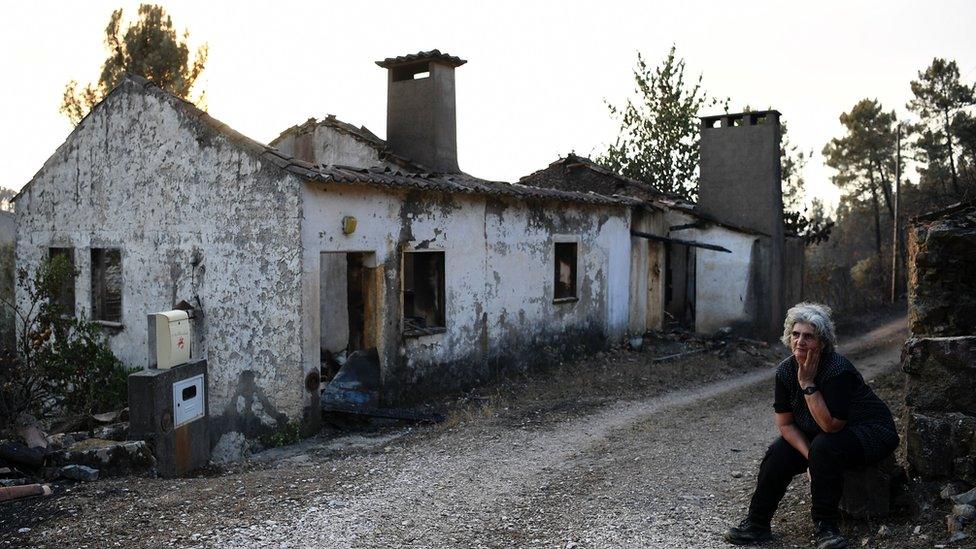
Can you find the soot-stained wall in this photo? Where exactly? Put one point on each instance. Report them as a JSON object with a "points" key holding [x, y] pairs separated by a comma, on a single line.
{"points": [[194, 215], [499, 264]]}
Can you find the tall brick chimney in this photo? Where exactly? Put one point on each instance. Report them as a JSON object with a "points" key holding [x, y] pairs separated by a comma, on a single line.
{"points": [[421, 119], [741, 184]]}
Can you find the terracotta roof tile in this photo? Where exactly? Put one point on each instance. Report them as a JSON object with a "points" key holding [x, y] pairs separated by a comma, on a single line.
{"points": [[432, 55]]}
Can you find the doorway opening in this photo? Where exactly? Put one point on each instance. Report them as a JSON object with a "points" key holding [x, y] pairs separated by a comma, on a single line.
{"points": [[348, 290]]}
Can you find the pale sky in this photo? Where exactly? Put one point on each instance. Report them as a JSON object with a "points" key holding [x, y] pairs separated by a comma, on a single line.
{"points": [[538, 72]]}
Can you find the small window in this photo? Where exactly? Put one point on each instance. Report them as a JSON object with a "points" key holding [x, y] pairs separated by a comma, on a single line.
{"points": [[106, 279], [423, 292], [565, 271], [64, 297]]}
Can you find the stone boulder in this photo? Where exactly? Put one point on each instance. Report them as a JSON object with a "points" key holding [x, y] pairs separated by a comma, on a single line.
{"points": [[110, 457], [941, 373], [940, 445], [868, 490]]}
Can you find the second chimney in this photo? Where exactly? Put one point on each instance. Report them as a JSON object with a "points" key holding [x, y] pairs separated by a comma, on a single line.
{"points": [[421, 119]]}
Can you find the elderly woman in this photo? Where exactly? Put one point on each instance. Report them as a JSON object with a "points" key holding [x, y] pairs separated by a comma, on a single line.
{"points": [[828, 420]]}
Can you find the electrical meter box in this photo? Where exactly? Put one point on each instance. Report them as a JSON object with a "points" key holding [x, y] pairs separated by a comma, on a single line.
{"points": [[168, 409], [169, 339]]}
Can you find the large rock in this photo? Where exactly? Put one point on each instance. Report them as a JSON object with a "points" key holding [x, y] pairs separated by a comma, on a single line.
{"points": [[940, 445], [941, 263], [941, 373], [867, 490], [108, 456]]}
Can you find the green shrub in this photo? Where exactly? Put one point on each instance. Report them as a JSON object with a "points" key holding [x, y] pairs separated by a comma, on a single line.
{"points": [[290, 433], [59, 366]]}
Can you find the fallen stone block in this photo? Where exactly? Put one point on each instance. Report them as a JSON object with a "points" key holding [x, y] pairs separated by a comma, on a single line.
{"points": [[7, 482], [109, 457], [938, 443], [115, 431], [941, 373], [79, 472], [965, 498], [64, 440], [867, 490], [15, 452]]}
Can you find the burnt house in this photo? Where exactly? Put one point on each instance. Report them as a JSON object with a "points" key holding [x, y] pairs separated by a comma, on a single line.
{"points": [[327, 242], [721, 262]]}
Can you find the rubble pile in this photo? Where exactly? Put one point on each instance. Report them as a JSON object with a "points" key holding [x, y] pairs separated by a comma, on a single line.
{"points": [[34, 457], [940, 358]]}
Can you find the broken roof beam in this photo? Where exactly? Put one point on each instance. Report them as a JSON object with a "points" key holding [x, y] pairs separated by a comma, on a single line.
{"points": [[692, 243]]}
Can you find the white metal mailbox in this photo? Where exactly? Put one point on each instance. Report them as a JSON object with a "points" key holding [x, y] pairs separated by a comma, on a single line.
{"points": [[172, 338], [188, 400]]}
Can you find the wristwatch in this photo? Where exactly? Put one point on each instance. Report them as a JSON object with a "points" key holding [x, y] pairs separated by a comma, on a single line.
{"points": [[810, 390]]}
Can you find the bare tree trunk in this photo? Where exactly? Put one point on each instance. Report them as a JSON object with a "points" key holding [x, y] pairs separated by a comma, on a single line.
{"points": [[885, 190], [952, 160]]}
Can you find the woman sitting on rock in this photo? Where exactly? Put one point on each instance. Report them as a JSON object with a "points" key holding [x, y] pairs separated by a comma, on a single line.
{"points": [[829, 420]]}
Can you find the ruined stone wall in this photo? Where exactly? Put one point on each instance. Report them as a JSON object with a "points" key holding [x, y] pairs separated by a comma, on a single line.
{"points": [[940, 357], [194, 215], [500, 313]]}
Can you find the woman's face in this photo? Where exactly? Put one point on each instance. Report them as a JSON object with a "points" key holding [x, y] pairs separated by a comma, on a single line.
{"points": [[803, 339]]}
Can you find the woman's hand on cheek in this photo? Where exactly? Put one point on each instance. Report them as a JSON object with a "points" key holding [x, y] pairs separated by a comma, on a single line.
{"points": [[808, 369]]}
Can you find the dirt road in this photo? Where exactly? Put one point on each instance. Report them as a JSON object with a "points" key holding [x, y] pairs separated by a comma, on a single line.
{"points": [[671, 470]]}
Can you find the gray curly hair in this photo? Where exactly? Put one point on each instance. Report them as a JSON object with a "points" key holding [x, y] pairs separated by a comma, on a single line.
{"points": [[816, 315]]}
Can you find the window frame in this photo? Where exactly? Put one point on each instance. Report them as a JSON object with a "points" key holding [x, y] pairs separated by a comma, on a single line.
{"points": [[441, 298], [69, 304], [559, 241], [97, 269]]}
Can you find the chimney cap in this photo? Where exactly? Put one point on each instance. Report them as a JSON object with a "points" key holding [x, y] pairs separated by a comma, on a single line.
{"points": [[432, 55]]}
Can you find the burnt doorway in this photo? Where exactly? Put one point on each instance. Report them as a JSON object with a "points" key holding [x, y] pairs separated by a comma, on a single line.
{"points": [[654, 310], [679, 298], [347, 307]]}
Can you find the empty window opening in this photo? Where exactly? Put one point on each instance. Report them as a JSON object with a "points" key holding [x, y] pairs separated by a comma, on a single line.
{"points": [[565, 270], [713, 123], [757, 119], [346, 295], [106, 284], [423, 292], [735, 121], [64, 296], [413, 71]]}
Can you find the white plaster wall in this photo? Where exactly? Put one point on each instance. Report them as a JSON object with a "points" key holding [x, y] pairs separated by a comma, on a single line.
{"points": [[326, 145], [142, 175], [722, 279], [334, 305], [499, 271]]}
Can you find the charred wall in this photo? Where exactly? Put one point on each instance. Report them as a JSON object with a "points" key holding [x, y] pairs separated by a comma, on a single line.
{"points": [[196, 218], [501, 314]]}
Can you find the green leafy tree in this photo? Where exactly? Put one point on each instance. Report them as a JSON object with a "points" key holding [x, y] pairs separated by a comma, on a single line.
{"points": [[659, 132], [864, 161], [939, 95], [151, 48]]}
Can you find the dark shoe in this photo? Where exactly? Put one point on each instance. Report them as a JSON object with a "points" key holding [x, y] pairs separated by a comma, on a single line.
{"points": [[828, 537], [748, 533]]}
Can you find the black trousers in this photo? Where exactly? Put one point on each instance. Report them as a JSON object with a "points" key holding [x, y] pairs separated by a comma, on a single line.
{"points": [[830, 454]]}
